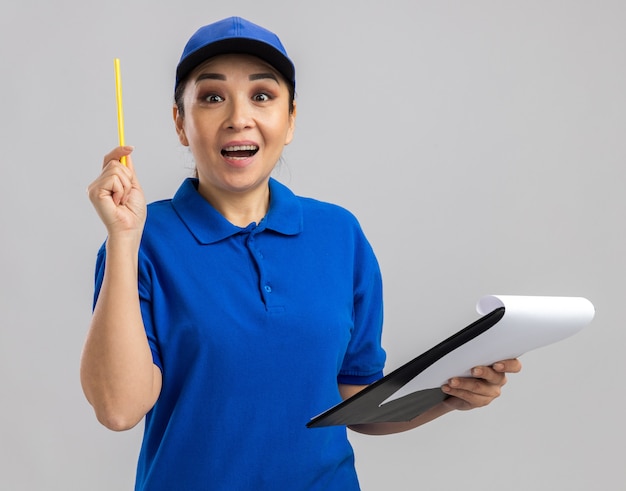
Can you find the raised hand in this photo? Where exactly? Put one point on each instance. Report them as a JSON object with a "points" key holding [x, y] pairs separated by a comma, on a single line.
{"points": [[117, 196]]}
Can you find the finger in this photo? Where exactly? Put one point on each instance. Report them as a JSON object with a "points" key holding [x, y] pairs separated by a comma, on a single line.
{"points": [[131, 167], [476, 386], [116, 154], [129, 162], [117, 185], [115, 182], [477, 396], [126, 174], [508, 366], [119, 189], [490, 375], [472, 390]]}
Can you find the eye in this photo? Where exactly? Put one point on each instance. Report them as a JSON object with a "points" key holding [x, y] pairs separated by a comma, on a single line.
{"points": [[261, 97], [213, 98]]}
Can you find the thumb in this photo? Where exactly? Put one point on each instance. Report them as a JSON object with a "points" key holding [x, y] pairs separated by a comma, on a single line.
{"points": [[116, 154]]}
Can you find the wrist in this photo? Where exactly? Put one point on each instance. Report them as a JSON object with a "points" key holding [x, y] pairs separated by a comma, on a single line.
{"points": [[123, 243]]}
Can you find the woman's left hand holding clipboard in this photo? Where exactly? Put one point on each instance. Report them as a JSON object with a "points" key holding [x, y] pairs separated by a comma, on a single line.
{"points": [[482, 388]]}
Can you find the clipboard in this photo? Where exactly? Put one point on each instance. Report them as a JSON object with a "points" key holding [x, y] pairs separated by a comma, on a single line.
{"points": [[509, 327]]}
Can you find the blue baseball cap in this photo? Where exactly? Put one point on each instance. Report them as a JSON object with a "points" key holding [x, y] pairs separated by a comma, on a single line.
{"points": [[234, 35]]}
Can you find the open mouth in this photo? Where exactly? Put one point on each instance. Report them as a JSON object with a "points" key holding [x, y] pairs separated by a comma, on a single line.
{"points": [[240, 151]]}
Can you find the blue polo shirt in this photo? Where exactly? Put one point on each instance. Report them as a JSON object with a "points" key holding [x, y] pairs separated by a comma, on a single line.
{"points": [[253, 328]]}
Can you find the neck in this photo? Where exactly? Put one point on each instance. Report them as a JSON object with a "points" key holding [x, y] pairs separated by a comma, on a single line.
{"points": [[240, 208]]}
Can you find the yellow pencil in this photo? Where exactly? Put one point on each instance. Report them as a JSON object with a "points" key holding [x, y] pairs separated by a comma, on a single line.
{"points": [[120, 111]]}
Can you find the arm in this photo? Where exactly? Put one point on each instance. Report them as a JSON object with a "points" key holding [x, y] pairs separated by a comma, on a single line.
{"points": [[466, 393], [118, 376]]}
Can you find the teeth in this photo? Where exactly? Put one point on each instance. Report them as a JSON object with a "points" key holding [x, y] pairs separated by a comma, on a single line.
{"points": [[238, 148]]}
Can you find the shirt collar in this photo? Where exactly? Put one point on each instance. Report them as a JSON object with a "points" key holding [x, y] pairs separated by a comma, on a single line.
{"points": [[208, 226]]}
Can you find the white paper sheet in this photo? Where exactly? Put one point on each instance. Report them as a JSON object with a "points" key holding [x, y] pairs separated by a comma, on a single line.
{"points": [[529, 322]]}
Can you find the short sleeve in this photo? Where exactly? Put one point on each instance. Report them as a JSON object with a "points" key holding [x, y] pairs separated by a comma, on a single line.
{"points": [[365, 357]]}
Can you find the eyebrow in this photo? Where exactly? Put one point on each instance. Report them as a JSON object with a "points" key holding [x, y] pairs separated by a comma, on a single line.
{"points": [[253, 77], [210, 76], [260, 76]]}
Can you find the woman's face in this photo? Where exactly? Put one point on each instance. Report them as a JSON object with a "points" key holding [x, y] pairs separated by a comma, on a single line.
{"points": [[236, 122]]}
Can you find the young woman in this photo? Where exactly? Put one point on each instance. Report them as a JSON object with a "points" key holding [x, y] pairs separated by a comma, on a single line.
{"points": [[231, 314]]}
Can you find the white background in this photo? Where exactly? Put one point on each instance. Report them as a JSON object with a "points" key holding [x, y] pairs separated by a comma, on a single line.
{"points": [[481, 144]]}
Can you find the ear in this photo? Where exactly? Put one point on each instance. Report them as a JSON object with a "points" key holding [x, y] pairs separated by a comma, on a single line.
{"points": [[179, 121], [292, 125]]}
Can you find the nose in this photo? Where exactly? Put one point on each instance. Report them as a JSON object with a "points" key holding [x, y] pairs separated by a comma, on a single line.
{"points": [[240, 114]]}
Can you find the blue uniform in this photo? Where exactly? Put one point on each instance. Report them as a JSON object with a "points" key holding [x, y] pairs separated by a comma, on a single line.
{"points": [[252, 329]]}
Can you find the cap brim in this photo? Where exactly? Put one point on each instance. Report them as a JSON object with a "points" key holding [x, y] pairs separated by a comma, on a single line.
{"points": [[253, 47]]}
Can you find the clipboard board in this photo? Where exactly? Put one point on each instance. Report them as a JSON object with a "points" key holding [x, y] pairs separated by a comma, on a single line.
{"points": [[509, 327]]}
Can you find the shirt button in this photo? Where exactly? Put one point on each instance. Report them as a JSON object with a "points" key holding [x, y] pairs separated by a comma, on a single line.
{"points": [[268, 288]]}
